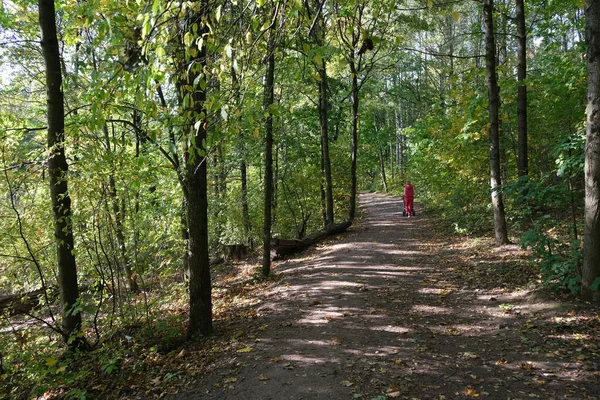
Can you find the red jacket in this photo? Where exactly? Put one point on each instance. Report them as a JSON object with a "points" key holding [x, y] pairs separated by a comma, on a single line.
{"points": [[409, 191]]}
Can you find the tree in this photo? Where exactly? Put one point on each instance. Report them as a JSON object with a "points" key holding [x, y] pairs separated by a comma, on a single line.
{"points": [[191, 85], [591, 262], [317, 32], [500, 229], [268, 104], [523, 158], [58, 174]]}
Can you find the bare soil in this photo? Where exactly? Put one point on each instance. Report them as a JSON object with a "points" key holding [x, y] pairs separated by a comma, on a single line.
{"points": [[395, 308]]}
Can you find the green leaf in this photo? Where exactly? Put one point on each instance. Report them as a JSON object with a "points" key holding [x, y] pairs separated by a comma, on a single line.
{"points": [[318, 59], [595, 284], [160, 52], [188, 38]]}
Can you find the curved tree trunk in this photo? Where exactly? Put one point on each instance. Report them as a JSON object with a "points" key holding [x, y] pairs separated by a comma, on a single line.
{"points": [[58, 173], [591, 248], [500, 229]]}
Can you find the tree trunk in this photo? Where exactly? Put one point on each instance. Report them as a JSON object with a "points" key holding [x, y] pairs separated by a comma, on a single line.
{"points": [[58, 174], [323, 111], [200, 319], [355, 104], [243, 166], [591, 248], [118, 218], [267, 104], [382, 170], [523, 158], [500, 229]]}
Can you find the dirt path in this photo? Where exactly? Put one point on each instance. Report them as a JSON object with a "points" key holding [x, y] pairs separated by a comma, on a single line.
{"points": [[393, 309]]}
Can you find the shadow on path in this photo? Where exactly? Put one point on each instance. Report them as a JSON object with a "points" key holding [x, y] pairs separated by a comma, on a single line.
{"points": [[375, 315]]}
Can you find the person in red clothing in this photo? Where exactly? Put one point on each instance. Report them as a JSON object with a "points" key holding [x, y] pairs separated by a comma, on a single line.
{"points": [[409, 196]]}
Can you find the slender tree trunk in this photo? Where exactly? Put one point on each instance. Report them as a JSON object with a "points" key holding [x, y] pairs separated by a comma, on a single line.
{"points": [[382, 170], [58, 174], [118, 218], [591, 245], [323, 117], [500, 229], [200, 319], [268, 102], [355, 107], [523, 158], [244, 198], [322, 190], [243, 166]]}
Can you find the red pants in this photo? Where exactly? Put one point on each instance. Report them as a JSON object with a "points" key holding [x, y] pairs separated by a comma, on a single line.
{"points": [[408, 204]]}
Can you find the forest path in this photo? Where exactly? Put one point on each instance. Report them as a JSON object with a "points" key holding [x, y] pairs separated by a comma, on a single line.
{"points": [[384, 311]]}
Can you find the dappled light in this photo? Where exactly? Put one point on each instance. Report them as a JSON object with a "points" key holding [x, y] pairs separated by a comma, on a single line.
{"points": [[387, 309]]}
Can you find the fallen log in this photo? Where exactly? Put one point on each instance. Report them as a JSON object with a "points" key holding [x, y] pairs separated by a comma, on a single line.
{"points": [[24, 303], [284, 247]]}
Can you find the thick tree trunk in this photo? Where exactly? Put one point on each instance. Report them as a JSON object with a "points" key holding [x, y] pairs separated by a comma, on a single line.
{"points": [[58, 173], [200, 319], [355, 107], [523, 157], [591, 248], [500, 229], [267, 103]]}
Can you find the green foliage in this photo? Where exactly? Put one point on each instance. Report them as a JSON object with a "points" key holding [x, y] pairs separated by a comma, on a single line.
{"points": [[559, 259]]}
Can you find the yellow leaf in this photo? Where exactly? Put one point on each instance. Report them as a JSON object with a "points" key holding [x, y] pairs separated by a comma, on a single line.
{"points": [[51, 362], [455, 16], [429, 3], [263, 377], [61, 369], [256, 133], [229, 380], [318, 59], [245, 350]]}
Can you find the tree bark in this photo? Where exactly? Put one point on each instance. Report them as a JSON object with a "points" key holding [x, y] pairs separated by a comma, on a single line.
{"points": [[243, 166], [591, 248], [382, 170], [523, 157], [58, 174], [355, 108], [323, 117], [500, 229], [267, 104], [200, 319]]}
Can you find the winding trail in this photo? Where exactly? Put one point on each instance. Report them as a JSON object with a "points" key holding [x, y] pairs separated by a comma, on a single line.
{"points": [[380, 312]]}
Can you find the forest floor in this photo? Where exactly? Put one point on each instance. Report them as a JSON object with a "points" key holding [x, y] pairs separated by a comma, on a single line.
{"points": [[395, 308]]}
